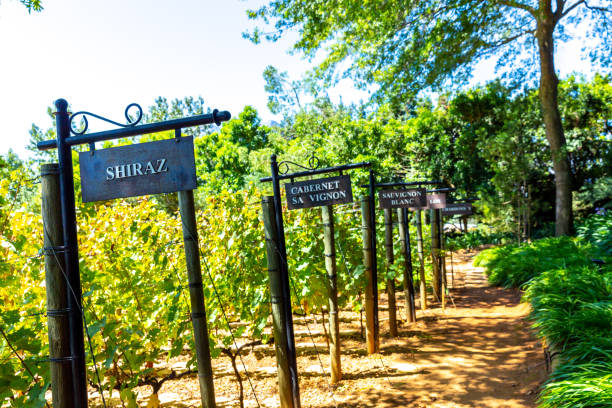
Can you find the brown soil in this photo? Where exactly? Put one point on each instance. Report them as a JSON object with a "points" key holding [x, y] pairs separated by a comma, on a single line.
{"points": [[479, 352]]}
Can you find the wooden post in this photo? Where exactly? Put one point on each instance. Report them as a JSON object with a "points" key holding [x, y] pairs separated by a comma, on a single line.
{"points": [[442, 259], [422, 283], [388, 263], [528, 216], [402, 215], [368, 260], [327, 214], [276, 295], [435, 254], [57, 293], [196, 295]]}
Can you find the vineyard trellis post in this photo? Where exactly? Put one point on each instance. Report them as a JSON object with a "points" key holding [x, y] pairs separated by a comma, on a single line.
{"points": [[413, 200], [368, 260], [71, 256], [422, 283], [57, 291], [276, 300], [404, 232], [436, 244], [327, 215], [285, 289], [372, 198], [443, 245], [389, 259], [63, 143], [435, 254], [196, 297], [301, 201]]}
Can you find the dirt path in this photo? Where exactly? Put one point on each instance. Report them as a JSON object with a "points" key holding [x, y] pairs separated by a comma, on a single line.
{"points": [[477, 353]]}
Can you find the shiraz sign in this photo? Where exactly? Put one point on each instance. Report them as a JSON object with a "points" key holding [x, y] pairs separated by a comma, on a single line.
{"points": [[404, 198], [320, 192], [163, 166]]}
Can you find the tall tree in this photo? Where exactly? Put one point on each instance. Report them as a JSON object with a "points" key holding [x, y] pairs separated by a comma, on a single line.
{"points": [[406, 46]]}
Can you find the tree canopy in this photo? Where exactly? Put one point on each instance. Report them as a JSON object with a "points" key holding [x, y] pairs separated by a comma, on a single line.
{"points": [[405, 47]]}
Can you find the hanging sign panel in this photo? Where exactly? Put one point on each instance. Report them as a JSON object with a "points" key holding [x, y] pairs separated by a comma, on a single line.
{"points": [[317, 193], [404, 198], [163, 166], [457, 209], [436, 200]]}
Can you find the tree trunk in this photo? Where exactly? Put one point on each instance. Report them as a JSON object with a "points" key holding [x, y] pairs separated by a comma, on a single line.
{"points": [[552, 122]]}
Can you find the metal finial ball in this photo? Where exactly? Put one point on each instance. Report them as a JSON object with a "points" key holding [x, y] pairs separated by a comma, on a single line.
{"points": [[61, 105]]}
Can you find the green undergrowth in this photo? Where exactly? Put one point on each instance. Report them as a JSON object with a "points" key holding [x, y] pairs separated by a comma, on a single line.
{"points": [[571, 299], [476, 238], [513, 265]]}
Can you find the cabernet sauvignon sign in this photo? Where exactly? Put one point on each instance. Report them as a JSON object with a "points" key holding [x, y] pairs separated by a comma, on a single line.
{"points": [[405, 198], [436, 200], [457, 209], [316, 193], [164, 166]]}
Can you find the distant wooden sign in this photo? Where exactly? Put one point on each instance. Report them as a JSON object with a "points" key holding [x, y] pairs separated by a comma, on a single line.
{"points": [[157, 167], [457, 209], [436, 200], [404, 198], [320, 192]]}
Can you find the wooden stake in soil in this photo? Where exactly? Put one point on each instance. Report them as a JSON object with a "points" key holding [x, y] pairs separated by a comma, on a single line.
{"points": [[327, 214], [196, 296], [368, 260], [443, 259], [422, 283], [388, 263], [57, 293], [402, 215], [276, 294], [435, 254]]}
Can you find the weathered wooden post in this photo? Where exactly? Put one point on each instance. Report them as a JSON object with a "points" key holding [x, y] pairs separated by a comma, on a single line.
{"points": [[327, 213], [435, 254], [196, 296], [422, 283], [57, 293], [390, 281], [442, 240], [276, 295], [402, 215], [368, 260]]}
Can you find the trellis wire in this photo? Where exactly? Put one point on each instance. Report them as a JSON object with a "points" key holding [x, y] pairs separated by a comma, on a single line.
{"points": [[345, 262], [80, 309], [223, 311], [299, 300]]}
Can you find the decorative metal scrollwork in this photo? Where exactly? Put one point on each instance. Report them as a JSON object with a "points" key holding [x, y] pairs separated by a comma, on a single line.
{"points": [[130, 121], [313, 164]]}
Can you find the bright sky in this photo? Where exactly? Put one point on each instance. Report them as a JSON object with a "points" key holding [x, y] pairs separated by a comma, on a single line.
{"points": [[103, 55]]}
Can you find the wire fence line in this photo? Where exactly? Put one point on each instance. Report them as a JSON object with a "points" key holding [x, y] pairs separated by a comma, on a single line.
{"points": [[87, 306]]}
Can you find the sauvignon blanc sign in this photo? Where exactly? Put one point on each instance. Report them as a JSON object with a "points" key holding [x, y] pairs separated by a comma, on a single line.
{"points": [[405, 198], [157, 167], [316, 193]]}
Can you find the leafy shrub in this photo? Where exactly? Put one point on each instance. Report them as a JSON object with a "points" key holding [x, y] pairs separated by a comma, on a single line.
{"points": [[597, 230], [514, 265], [571, 301], [571, 305], [572, 310], [476, 238]]}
